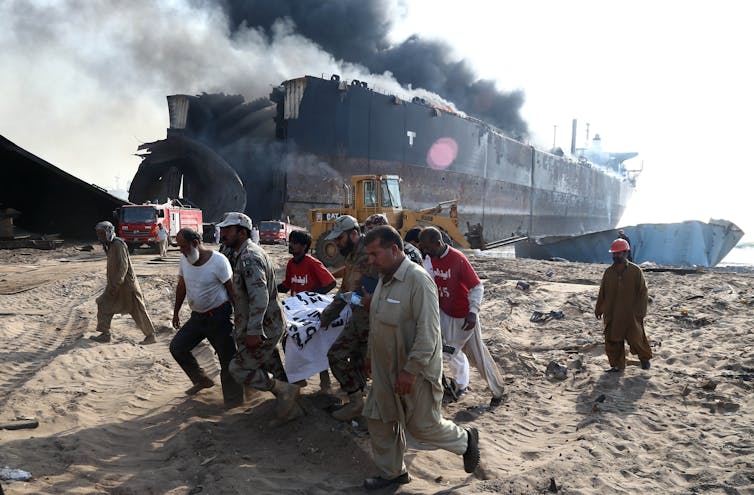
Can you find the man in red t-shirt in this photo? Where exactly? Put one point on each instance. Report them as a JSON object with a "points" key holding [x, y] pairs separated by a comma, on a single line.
{"points": [[304, 273], [460, 294]]}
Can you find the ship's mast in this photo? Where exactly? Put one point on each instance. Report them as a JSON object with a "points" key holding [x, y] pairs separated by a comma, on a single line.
{"points": [[554, 135], [573, 138], [586, 145]]}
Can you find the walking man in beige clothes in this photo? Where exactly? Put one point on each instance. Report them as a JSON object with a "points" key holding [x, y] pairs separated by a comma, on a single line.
{"points": [[404, 360], [122, 293], [162, 240]]}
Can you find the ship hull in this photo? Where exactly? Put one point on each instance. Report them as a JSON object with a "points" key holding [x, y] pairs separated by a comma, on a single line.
{"points": [[501, 207], [298, 152], [504, 184], [689, 243]]}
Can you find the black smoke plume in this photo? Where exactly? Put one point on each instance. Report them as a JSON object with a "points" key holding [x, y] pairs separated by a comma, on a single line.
{"points": [[356, 31]]}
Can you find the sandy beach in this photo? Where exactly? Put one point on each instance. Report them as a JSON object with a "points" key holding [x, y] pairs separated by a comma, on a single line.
{"points": [[113, 418]]}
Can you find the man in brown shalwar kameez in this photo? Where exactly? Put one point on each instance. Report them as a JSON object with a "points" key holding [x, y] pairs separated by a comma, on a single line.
{"points": [[122, 293], [622, 304], [404, 360]]}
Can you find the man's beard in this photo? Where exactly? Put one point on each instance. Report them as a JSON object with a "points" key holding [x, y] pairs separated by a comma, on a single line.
{"points": [[345, 251], [231, 241], [193, 255]]}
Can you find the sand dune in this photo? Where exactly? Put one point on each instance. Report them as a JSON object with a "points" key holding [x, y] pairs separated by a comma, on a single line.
{"points": [[114, 418]]}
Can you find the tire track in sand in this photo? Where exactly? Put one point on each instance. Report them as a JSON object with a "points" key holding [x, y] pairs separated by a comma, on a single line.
{"points": [[28, 343]]}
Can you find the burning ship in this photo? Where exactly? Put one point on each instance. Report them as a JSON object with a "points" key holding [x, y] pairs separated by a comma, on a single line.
{"points": [[278, 157]]}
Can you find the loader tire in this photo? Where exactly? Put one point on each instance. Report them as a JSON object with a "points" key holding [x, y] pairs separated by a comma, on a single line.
{"points": [[328, 253]]}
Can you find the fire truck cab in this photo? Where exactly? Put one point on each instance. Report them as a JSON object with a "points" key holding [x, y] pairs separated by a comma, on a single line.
{"points": [[275, 232], [137, 224]]}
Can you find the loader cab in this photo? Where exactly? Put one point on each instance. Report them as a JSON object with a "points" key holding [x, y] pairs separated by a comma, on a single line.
{"points": [[390, 194], [365, 196], [378, 194]]}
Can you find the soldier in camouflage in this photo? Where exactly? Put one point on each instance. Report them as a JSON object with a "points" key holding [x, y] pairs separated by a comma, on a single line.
{"points": [[259, 319], [348, 353]]}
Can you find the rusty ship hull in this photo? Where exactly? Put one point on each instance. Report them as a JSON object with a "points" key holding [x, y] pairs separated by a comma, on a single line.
{"points": [[295, 151]]}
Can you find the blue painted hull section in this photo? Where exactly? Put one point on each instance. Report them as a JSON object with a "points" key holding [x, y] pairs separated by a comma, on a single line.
{"points": [[690, 243]]}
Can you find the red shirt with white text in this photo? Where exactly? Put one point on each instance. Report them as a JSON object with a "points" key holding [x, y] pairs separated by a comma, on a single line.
{"points": [[454, 277], [307, 275]]}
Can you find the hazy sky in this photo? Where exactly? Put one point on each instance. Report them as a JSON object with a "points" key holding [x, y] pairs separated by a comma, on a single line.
{"points": [[84, 83]]}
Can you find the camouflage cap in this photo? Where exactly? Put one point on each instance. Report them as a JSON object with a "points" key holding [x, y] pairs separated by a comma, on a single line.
{"points": [[235, 218], [343, 223], [375, 220]]}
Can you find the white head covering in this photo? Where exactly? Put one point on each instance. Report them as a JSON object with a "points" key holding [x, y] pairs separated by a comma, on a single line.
{"points": [[108, 228]]}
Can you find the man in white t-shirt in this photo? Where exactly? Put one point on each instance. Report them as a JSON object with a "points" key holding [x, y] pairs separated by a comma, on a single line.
{"points": [[205, 277], [162, 240]]}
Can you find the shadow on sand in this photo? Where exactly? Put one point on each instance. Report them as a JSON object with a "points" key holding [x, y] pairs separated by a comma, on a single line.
{"points": [[196, 447]]}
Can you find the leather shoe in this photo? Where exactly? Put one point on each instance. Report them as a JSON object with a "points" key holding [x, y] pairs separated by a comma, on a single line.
{"points": [[645, 364], [380, 482], [471, 456]]}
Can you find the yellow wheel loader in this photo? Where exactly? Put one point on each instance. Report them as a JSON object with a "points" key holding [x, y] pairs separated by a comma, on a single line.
{"points": [[370, 194]]}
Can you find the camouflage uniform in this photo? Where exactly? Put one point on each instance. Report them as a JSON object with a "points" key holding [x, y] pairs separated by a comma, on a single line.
{"points": [[257, 312], [347, 354], [412, 253]]}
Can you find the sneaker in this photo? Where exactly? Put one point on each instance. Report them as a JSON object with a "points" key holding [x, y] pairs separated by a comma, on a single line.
{"points": [[471, 456], [452, 392], [149, 339], [104, 337], [645, 364], [380, 482]]}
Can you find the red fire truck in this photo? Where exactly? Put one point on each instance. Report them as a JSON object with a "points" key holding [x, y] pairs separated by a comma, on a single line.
{"points": [[275, 232], [137, 224]]}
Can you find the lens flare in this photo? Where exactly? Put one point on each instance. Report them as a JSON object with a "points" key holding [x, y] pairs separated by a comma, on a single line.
{"points": [[442, 153]]}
